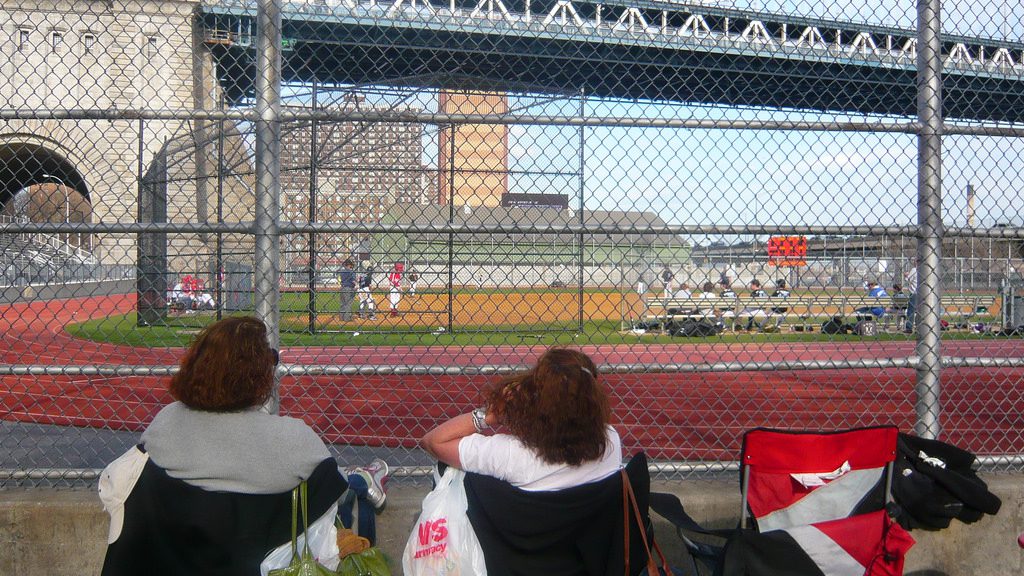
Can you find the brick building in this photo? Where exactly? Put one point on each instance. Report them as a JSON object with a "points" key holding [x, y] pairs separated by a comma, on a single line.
{"points": [[358, 172]]}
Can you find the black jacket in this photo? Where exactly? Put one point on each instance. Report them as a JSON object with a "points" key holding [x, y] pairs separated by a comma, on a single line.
{"points": [[934, 482], [174, 528], [576, 531]]}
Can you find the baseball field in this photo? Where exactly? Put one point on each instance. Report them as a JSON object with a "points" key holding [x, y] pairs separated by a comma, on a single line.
{"points": [[681, 400]]}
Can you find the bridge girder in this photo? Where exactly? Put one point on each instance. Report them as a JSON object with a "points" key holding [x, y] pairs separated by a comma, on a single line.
{"points": [[338, 50]]}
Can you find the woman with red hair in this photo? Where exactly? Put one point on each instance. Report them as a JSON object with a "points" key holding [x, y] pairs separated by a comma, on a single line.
{"points": [[556, 428], [208, 488], [542, 466], [215, 435]]}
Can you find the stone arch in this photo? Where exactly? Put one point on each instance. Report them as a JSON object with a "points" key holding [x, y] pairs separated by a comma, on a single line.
{"points": [[51, 187], [25, 158]]}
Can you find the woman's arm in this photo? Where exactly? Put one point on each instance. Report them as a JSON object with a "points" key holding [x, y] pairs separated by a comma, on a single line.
{"points": [[443, 442]]}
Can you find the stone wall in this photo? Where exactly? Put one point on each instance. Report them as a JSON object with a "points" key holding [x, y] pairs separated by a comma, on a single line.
{"points": [[56, 533]]}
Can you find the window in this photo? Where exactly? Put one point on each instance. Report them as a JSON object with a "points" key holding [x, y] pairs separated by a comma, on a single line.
{"points": [[88, 41], [151, 46], [23, 39], [56, 40]]}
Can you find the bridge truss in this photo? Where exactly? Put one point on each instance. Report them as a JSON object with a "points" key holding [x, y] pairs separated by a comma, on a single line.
{"points": [[653, 50]]}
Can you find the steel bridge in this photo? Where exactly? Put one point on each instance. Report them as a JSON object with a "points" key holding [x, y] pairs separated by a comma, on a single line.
{"points": [[639, 49]]}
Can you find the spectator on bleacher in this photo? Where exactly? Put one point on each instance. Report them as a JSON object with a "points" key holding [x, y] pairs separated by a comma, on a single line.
{"points": [[900, 303], [755, 314], [708, 291], [781, 292], [780, 289], [755, 289], [683, 292], [874, 291], [727, 311], [911, 279], [666, 277]]}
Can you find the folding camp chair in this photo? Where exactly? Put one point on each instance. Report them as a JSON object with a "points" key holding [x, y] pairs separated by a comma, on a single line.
{"points": [[814, 503]]}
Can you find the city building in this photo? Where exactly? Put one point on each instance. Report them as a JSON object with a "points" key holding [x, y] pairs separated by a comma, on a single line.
{"points": [[472, 158], [351, 172]]}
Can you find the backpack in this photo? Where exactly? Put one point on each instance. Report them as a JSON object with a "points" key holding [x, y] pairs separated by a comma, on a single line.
{"points": [[833, 326], [695, 328]]}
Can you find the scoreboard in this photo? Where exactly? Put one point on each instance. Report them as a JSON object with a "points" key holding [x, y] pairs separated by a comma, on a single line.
{"points": [[787, 251]]}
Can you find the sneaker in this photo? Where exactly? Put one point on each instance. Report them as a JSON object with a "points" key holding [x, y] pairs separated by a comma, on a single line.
{"points": [[376, 476]]}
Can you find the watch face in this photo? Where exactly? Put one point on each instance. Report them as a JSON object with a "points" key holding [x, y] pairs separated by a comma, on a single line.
{"points": [[479, 419]]}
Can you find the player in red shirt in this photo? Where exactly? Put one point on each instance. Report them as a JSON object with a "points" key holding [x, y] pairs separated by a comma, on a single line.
{"points": [[395, 280]]}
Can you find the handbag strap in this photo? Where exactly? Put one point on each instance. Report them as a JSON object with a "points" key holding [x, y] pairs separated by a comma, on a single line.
{"points": [[304, 497], [295, 521], [629, 499], [625, 519]]}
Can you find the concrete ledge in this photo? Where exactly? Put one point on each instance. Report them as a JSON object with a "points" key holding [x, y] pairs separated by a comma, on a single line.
{"points": [[56, 533]]}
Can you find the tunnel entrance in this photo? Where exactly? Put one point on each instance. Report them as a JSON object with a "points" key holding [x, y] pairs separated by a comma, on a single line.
{"points": [[40, 185]]}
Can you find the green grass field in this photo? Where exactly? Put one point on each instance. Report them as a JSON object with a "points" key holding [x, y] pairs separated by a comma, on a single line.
{"points": [[179, 330]]}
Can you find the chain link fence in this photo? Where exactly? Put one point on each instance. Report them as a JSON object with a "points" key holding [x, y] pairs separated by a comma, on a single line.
{"points": [[798, 215]]}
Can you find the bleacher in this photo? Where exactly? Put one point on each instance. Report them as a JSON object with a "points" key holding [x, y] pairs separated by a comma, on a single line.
{"points": [[27, 259], [807, 312]]}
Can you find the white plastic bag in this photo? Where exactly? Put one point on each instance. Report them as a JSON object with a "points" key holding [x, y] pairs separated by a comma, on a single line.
{"points": [[443, 542], [323, 543]]}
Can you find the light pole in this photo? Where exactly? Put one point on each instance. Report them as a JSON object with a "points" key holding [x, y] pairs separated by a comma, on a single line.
{"points": [[67, 203]]}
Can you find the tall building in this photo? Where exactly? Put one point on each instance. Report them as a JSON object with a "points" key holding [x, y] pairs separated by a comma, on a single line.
{"points": [[355, 171], [473, 158]]}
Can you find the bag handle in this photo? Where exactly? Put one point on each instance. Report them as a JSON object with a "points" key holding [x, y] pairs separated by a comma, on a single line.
{"points": [[629, 499], [625, 520], [295, 521], [304, 497]]}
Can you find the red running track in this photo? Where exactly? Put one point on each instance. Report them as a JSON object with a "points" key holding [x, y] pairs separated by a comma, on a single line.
{"points": [[685, 416]]}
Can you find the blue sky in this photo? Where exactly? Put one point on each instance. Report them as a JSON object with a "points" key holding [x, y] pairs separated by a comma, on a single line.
{"points": [[764, 177], [774, 177]]}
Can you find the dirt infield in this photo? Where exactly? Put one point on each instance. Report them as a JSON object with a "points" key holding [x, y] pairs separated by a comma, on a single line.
{"points": [[495, 308]]}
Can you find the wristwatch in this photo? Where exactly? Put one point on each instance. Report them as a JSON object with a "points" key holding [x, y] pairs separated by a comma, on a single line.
{"points": [[480, 419]]}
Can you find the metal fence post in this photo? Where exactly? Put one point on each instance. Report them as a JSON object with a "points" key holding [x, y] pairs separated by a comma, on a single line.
{"points": [[220, 273], [581, 254], [268, 172], [311, 210], [929, 217]]}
